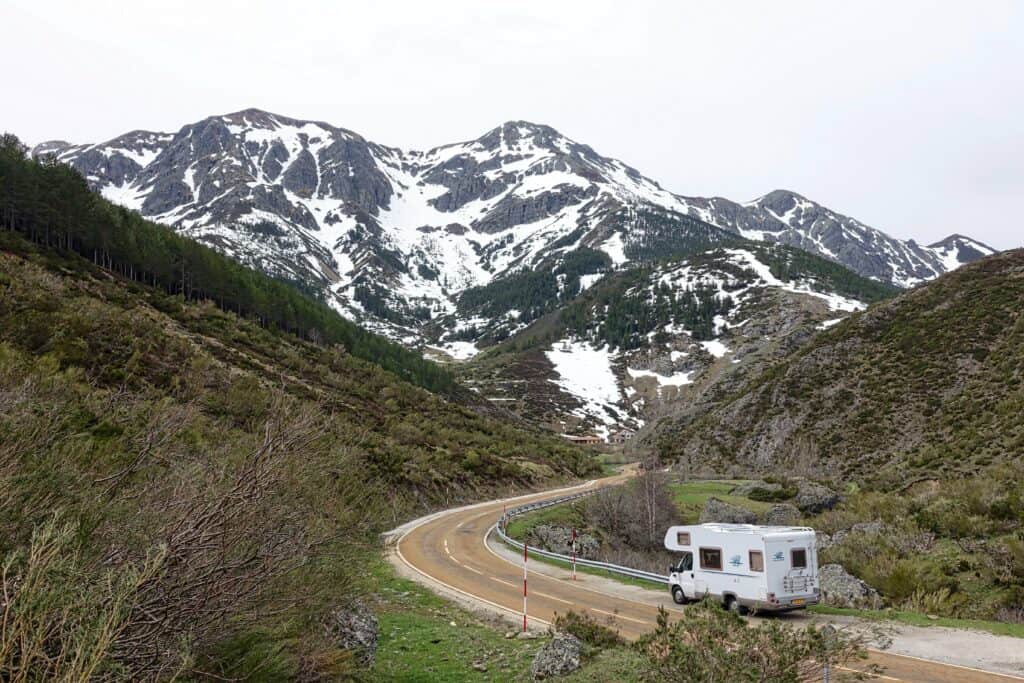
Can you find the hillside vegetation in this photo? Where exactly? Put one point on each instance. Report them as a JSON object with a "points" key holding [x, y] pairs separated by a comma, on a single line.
{"points": [[927, 385], [189, 491]]}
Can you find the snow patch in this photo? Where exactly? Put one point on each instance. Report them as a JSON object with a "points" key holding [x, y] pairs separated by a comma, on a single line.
{"points": [[675, 380], [715, 347], [586, 373], [459, 350], [825, 324], [587, 281], [835, 302], [615, 249]]}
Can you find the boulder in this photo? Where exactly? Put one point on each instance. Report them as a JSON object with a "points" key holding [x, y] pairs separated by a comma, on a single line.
{"points": [[716, 510], [355, 628], [559, 657], [839, 588], [813, 498], [782, 514], [558, 539]]}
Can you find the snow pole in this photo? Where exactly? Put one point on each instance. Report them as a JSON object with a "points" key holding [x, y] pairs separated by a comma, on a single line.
{"points": [[525, 546], [574, 553]]}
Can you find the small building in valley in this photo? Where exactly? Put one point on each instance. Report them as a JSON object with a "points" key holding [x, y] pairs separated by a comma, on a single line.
{"points": [[585, 440]]}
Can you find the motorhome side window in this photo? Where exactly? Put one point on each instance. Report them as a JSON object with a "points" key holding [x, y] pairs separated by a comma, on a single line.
{"points": [[711, 558], [683, 538], [756, 561], [799, 558]]}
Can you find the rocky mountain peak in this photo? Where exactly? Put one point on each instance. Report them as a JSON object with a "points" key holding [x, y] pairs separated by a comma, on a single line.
{"points": [[963, 240], [50, 147]]}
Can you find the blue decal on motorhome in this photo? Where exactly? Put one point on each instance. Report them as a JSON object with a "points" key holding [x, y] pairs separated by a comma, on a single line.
{"points": [[778, 557], [736, 560]]}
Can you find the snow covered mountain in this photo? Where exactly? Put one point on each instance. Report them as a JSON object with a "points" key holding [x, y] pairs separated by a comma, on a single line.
{"points": [[788, 218], [393, 238]]}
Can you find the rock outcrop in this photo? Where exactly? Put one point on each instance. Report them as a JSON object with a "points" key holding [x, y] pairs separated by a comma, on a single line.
{"points": [[716, 510], [558, 539], [839, 588], [559, 657], [782, 514], [355, 628], [812, 498]]}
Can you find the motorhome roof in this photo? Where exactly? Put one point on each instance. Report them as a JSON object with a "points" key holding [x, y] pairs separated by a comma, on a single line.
{"points": [[755, 528]]}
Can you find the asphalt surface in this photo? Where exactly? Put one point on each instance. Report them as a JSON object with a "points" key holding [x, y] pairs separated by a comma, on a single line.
{"points": [[451, 553]]}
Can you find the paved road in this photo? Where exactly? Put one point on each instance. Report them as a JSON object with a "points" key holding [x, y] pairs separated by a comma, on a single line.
{"points": [[450, 552]]}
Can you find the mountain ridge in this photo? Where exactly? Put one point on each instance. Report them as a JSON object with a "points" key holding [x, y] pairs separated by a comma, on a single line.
{"points": [[834, 407], [392, 237]]}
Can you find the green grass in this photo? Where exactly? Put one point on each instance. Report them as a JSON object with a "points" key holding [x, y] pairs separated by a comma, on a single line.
{"points": [[560, 515], [419, 643], [690, 497], [917, 619], [621, 664]]}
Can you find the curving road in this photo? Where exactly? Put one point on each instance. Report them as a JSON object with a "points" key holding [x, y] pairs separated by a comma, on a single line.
{"points": [[451, 552]]}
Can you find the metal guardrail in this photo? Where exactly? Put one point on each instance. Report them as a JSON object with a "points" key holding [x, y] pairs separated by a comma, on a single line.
{"points": [[499, 527]]}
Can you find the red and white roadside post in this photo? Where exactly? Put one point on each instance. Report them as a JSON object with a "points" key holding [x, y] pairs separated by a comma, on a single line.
{"points": [[574, 553], [525, 546]]}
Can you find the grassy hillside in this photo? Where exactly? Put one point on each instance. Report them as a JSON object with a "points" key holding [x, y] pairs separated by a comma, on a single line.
{"points": [[927, 385], [183, 489]]}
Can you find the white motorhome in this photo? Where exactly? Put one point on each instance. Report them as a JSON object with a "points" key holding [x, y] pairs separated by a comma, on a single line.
{"points": [[747, 567]]}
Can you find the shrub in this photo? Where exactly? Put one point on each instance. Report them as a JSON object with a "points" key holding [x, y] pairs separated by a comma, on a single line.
{"points": [[941, 601], [587, 629], [918, 574], [771, 496], [951, 519], [709, 644]]}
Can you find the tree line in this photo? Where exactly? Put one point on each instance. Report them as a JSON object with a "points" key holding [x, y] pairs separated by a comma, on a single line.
{"points": [[50, 204]]}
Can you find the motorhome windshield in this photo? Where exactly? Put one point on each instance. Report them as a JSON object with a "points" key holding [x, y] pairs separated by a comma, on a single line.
{"points": [[685, 563]]}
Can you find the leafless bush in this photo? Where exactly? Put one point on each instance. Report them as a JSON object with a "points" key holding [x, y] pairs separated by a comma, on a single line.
{"points": [[634, 515], [1011, 614], [647, 560], [219, 551]]}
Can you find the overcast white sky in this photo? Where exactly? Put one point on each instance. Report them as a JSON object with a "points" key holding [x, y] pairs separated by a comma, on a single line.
{"points": [[906, 115]]}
